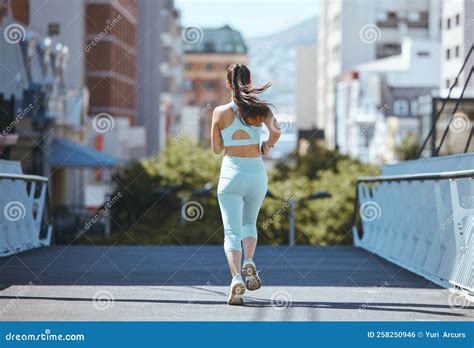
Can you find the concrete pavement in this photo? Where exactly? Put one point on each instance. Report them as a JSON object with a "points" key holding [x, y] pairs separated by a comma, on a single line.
{"points": [[190, 283]]}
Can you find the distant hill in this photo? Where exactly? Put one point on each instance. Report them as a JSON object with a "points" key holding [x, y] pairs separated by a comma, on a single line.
{"points": [[273, 58]]}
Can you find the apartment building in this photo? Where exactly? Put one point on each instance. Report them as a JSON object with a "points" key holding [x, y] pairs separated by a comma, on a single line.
{"points": [[160, 69], [457, 38], [379, 102], [47, 118], [355, 32], [111, 57], [101, 36], [208, 54], [101, 39]]}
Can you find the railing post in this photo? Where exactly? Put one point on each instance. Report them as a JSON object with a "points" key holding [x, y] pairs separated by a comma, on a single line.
{"points": [[434, 119], [291, 232]]}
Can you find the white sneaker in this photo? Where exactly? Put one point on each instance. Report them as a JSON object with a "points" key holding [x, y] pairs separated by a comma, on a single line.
{"points": [[237, 289], [252, 280]]}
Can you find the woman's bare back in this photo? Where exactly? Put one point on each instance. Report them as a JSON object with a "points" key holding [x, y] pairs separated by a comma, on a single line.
{"points": [[226, 119]]}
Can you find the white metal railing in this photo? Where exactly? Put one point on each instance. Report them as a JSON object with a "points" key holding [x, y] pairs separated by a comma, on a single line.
{"points": [[422, 222], [22, 204]]}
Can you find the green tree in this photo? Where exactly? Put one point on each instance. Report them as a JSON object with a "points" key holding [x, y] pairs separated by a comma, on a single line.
{"points": [[326, 221], [408, 147]]}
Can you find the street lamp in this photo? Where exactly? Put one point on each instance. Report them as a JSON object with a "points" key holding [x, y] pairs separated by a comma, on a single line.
{"points": [[205, 191], [293, 203]]}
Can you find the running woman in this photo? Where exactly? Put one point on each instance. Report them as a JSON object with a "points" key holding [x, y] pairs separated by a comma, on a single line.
{"points": [[243, 181]]}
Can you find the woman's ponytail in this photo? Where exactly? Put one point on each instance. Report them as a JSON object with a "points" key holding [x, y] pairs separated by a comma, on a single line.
{"points": [[251, 108]]}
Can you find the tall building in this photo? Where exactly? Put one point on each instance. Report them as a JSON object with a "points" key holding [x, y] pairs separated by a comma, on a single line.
{"points": [[159, 71], [355, 32], [48, 118], [208, 54], [101, 36], [102, 39], [457, 38], [273, 56], [111, 58], [306, 79]]}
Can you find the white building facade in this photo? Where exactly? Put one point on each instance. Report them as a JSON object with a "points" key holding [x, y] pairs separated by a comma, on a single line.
{"points": [[377, 103], [355, 32], [306, 79], [457, 38]]}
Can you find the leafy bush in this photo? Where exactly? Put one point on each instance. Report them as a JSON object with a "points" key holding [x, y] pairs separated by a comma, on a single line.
{"points": [[327, 221]]}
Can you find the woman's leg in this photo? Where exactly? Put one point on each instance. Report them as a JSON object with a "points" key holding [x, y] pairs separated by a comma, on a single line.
{"points": [[234, 258], [231, 210], [252, 202], [249, 245]]}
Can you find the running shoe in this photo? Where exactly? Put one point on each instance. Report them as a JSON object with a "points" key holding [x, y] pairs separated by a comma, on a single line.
{"points": [[252, 280], [237, 289]]}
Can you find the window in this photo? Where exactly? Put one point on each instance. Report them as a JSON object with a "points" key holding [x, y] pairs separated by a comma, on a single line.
{"points": [[391, 15], [400, 107], [188, 66], [448, 84], [187, 85], [387, 50], [209, 84], [456, 51], [418, 19], [390, 20], [458, 21], [448, 54], [209, 46], [448, 23], [209, 67], [53, 29], [423, 54]]}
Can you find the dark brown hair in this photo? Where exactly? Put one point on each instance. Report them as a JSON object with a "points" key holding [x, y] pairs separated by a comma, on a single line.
{"points": [[251, 108]]}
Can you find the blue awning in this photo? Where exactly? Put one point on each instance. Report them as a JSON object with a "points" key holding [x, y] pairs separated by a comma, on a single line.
{"points": [[66, 153]]}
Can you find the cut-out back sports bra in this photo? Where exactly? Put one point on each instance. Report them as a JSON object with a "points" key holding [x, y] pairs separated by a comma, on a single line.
{"points": [[254, 132]]}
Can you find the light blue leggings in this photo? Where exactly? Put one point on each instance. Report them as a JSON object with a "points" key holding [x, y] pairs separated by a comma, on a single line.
{"points": [[242, 187]]}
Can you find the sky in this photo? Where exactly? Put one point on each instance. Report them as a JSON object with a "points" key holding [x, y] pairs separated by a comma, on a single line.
{"points": [[252, 18]]}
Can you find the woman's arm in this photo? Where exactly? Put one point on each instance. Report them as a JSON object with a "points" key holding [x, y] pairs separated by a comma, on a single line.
{"points": [[275, 132], [216, 137]]}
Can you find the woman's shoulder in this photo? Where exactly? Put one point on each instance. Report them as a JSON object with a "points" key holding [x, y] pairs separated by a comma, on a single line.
{"points": [[223, 107], [224, 110]]}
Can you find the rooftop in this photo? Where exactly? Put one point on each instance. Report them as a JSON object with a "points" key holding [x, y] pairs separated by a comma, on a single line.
{"points": [[224, 40]]}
